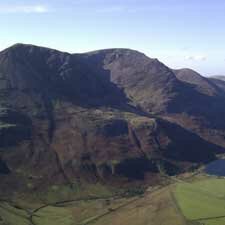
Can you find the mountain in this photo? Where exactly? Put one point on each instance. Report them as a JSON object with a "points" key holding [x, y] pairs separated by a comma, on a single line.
{"points": [[200, 83], [219, 81], [107, 115], [219, 77]]}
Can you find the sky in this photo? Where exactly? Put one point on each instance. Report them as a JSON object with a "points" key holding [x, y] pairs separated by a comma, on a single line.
{"points": [[180, 33]]}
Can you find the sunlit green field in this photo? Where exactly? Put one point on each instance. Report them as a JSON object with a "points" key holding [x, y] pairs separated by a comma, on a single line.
{"points": [[202, 201]]}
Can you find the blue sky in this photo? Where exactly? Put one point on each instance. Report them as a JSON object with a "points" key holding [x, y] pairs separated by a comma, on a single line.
{"points": [[180, 33]]}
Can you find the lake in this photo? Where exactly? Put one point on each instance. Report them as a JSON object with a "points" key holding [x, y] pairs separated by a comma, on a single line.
{"points": [[216, 168]]}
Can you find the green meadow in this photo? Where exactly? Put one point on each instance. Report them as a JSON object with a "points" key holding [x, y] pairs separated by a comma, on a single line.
{"points": [[202, 201]]}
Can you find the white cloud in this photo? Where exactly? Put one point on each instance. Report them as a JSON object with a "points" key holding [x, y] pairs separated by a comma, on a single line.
{"points": [[23, 9], [196, 57]]}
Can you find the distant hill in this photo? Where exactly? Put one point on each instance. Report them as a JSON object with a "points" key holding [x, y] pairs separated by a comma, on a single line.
{"points": [[219, 81], [219, 77], [202, 84]]}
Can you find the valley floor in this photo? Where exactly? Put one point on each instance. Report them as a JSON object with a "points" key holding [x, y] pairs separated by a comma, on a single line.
{"points": [[190, 200]]}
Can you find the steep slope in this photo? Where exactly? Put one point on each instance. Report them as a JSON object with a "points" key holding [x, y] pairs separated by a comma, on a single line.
{"points": [[207, 120], [143, 79], [182, 96], [200, 83], [102, 115]]}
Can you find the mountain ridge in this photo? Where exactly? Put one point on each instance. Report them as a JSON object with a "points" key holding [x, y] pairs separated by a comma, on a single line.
{"points": [[108, 114]]}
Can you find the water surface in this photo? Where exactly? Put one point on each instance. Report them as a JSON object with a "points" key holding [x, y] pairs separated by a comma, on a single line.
{"points": [[216, 168]]}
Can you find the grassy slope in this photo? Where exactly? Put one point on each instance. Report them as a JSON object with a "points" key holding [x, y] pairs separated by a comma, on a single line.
{"points": [[191, 201], [10, 215], [154, 208], [53, 216]]}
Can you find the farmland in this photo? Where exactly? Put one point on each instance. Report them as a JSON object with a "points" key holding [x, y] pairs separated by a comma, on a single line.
{"points": [[152, 208], [200, 200]]}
